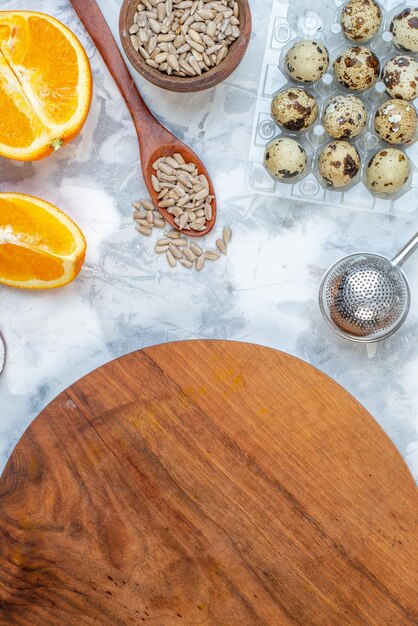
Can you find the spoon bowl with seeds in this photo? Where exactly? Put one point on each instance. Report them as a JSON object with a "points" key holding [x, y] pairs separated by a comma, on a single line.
{"points": [[185, 45], [176, 178]]}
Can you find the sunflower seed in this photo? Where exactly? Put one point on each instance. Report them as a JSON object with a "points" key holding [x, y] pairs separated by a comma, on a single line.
{"points": [[144, 230], [220, 244], [183, 220], [227, 235], [186, 263], [189, 254], [201, 29], [140, 215], [159, 223], [173, 234], [200, 261], [211, 255], [160, 249], [177, 254], [180, 243], [155, 183], [179, 158], [197, 250]]}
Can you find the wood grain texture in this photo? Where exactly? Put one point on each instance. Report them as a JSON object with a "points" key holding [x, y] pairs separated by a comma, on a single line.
{"points": [[214, 76], [207, 483], [154, 139]]}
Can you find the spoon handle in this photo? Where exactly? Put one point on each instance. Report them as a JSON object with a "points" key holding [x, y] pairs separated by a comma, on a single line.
{"points": [[406, 252], [96, 26]]}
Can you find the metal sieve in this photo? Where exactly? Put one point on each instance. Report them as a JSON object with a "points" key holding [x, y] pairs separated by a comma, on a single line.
{"points": [[365, 297]]}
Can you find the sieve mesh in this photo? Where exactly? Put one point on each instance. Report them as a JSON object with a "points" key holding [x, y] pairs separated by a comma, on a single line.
{"points": [[364, 296]]}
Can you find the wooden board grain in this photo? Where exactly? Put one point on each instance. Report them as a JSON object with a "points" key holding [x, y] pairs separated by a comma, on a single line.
{"points": [[207, 483]]}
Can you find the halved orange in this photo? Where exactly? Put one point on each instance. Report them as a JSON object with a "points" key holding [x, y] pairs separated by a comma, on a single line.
{"points": [[40, 246], [45, 85]]}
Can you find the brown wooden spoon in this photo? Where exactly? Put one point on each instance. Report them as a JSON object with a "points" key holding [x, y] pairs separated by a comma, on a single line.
{"points": [[155, 141]]}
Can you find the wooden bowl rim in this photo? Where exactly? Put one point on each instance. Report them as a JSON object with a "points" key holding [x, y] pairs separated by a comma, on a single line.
{"points": [[208, 79]]}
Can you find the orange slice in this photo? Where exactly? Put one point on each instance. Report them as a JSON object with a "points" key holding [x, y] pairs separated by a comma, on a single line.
{"points": [[45, 85], [40, 246]]}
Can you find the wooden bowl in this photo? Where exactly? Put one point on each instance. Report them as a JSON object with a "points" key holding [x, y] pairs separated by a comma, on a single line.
{"points": [[177, 83]]}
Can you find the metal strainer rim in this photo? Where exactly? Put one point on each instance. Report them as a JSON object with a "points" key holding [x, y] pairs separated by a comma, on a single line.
{"points": [[347, 335]]}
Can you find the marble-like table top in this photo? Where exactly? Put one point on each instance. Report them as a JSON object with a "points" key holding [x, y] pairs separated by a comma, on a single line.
{"points": [[264, 292]]}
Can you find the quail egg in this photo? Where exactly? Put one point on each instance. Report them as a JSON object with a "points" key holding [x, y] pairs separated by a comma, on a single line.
{"points": [[396, 121], [344, 117], [405, 30], [307, 61], [400, 76], [357, 68], [285, 159], [361, 19], [388, 171], [294, 109], [339, 163]]}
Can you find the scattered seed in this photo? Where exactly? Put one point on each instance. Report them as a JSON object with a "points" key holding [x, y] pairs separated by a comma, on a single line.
{"points": [[189, 254], [171, 259], [186, 263], [159, 223], [227, 235], [184, 37], [211, 255], [173, 234], [148, 206], [160, 249], [220, 244], [180, 243], [140, 215], [200, 261], [196, 249], [144, 230]]}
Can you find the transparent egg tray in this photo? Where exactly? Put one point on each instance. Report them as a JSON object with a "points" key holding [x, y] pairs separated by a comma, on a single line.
{"points": [[295, 20]]}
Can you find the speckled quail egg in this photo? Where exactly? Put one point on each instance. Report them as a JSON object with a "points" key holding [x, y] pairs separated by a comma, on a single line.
{"points": [[307, 61], [396, 121], [400, 76], [339, 163], [388, 171], [344, 117], [294, 109], [357, 68], [285, 159], [361, 19], [405, 30]]}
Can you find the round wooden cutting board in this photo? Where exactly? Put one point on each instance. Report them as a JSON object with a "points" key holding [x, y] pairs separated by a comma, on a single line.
{"points": [[207, 483]]}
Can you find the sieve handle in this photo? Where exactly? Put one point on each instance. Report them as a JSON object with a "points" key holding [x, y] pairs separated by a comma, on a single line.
{"points": [[406, 252]]}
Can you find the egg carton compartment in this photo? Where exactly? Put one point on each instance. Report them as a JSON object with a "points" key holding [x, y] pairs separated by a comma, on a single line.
{"points": [[296, 20]]}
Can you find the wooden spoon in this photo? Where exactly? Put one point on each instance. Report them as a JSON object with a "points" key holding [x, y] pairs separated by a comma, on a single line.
{"points": [[155, 141]]}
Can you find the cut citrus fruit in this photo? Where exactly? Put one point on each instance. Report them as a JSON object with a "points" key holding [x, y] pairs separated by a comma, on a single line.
{"points": [[45, 85], [40, 246]]}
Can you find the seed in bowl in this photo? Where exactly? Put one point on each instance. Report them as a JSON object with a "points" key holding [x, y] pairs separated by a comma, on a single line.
{"points": [[396, 121], [388, 171], [294, 109], [344, 117], [184, 37], [183, 192], [361, 19], [404, 28], [285, 159], [307, 61], [357, 68], [339, 163], [400, 76]]}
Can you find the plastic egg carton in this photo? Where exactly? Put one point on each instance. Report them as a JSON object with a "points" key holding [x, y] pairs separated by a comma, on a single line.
{"points": [[295, 20]]}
